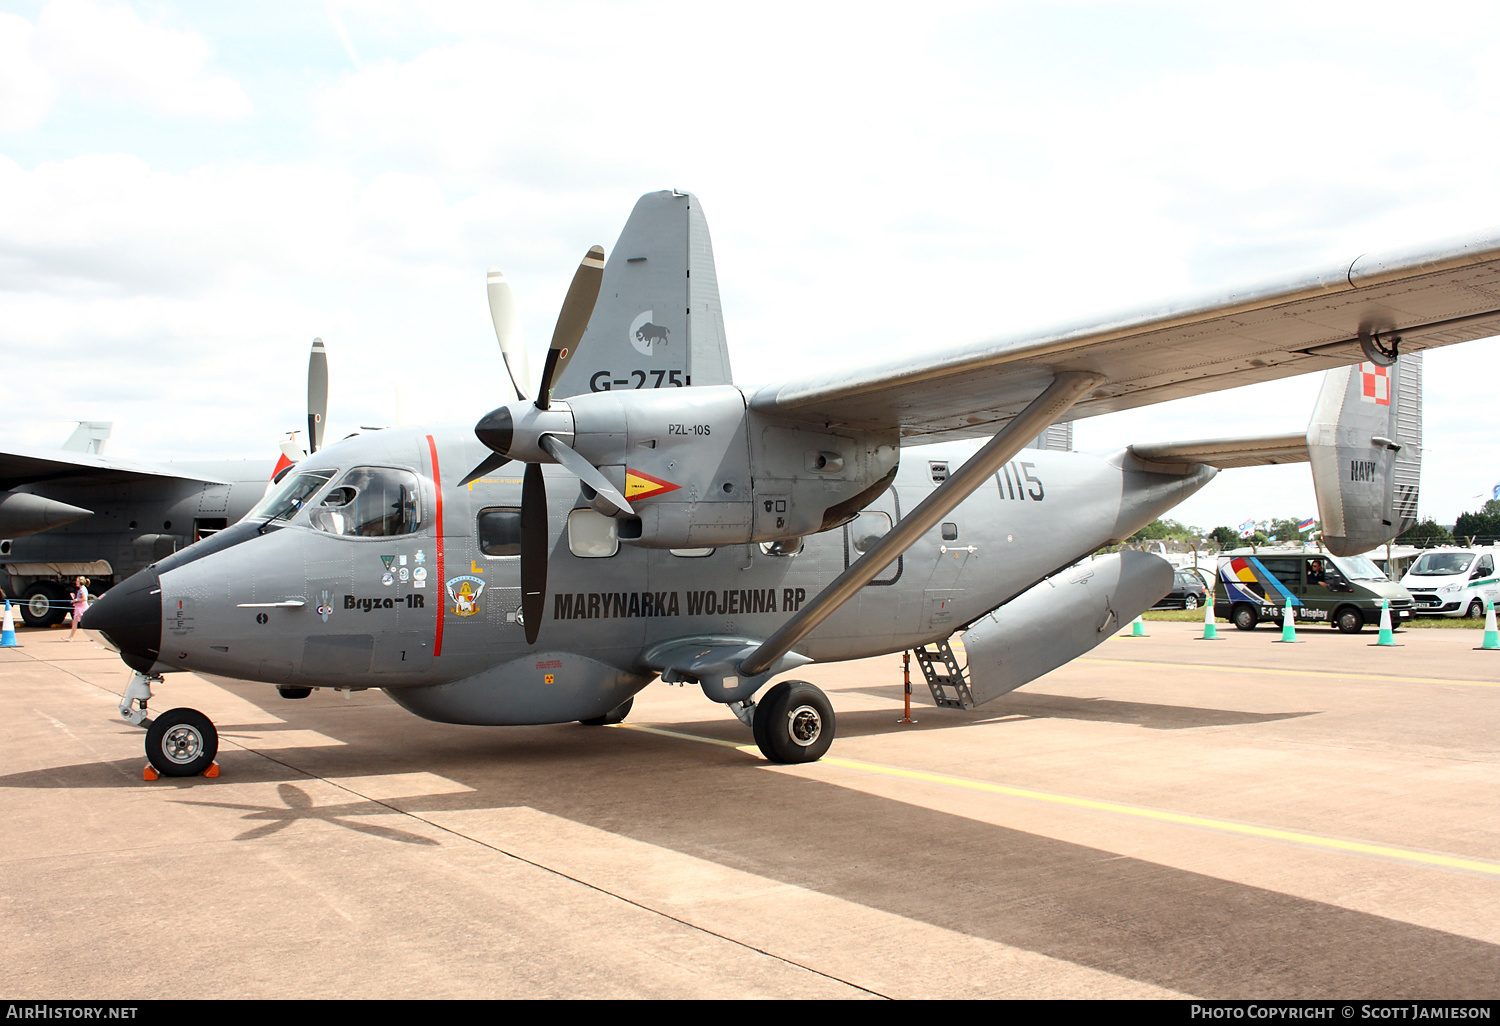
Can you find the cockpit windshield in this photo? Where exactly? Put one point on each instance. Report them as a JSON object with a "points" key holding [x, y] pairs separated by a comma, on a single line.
{"points": [[1442, 564], [285, 500]]}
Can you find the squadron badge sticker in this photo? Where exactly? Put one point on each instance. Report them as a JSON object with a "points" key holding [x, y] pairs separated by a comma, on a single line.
{"points": [[464, 592]]}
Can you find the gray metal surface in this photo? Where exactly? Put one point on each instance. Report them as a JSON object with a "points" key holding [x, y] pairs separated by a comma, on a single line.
{"points": [[1060, 619]]}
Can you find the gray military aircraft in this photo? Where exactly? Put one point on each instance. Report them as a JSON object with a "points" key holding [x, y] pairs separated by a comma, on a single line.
{"points": [[639, 515], [75, 511]]}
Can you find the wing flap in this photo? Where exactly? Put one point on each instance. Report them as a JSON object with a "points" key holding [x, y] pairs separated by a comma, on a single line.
{"points": [[1434, 296]]}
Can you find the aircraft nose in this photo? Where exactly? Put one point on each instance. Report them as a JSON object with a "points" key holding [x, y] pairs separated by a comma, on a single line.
{"points": [[129, 615]]}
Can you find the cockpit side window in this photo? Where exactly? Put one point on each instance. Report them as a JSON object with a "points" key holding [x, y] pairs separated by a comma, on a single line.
{"points": [[371, 502]]}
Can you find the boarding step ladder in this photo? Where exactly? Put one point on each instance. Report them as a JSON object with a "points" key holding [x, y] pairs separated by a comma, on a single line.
{"points": [[945, 679]]}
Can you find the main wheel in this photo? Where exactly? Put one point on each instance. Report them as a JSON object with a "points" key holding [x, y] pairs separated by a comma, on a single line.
{"points": [[1245, 617], [794, 723], [181, 743], [43, 605], [294, 692], [615, 715], [1475, 610], [1350, 620]]}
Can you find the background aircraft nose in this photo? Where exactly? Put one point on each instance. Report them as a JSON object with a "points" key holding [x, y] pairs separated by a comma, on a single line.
{"points": [[129, 615]]}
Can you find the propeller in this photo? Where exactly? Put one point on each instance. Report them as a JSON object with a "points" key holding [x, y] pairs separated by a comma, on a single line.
{"points": [[317, 395], [508, 330], [533, 432]]}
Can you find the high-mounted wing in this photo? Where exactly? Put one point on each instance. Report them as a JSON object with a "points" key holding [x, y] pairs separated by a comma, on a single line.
{"points": [[1409, 300], [29, 466]]}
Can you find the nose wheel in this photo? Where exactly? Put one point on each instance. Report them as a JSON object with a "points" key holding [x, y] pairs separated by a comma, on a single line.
{"points": [[794, 723], [181, 743]]}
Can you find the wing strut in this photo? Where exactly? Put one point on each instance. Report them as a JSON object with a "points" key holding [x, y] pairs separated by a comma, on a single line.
{"points": [[1066, 389]]}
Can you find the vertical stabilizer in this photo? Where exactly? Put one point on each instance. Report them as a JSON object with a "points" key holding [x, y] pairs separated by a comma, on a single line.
{"points": [[89, 436], [658, 322], [1365, 444]]}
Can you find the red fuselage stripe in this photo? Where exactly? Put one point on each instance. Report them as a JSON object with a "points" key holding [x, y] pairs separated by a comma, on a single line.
{"points": [[437, 490]]}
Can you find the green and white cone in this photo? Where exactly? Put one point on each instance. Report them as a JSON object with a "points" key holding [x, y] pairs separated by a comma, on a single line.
{"points": [[1387, 639], [1138, 628], [1288, 625], [1491, 636], [1210, 631]]}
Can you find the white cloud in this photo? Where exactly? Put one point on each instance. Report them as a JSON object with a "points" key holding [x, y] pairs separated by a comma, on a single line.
{"points": [[106, 55]]}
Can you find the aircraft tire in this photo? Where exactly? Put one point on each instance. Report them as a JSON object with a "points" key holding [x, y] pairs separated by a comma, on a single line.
{"points": [[43, 605], [181, 743], [294, 692], [794, 723], [615, 715], [1245, 617]]}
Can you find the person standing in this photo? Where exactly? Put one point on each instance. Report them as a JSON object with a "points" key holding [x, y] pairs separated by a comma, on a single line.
{"points": [[80, 603]]}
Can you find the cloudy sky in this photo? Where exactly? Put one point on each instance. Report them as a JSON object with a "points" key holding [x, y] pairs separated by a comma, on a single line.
{"points": [[190, 192]]}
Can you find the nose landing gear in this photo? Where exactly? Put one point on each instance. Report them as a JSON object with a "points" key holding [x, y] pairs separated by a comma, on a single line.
{"points": [[179, 742]]}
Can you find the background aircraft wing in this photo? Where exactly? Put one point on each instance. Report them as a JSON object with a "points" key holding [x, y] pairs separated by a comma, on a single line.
{"points": [[22, 467], [1429, 296]]}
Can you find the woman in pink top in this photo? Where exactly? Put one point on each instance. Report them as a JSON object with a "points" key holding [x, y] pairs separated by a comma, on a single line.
{"points": [[80, 603]]}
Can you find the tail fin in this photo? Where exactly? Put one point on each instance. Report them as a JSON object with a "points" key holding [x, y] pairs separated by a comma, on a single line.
{"points": [[89, 436], [658, 322], [1365, 444]]}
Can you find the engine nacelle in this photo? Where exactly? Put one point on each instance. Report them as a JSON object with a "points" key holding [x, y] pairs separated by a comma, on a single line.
{"points": [[1060, 619], [700, 469]]}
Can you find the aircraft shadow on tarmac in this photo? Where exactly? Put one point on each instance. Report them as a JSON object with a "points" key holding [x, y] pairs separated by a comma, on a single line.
{"points": [[1031, 705], [1174, 928]]}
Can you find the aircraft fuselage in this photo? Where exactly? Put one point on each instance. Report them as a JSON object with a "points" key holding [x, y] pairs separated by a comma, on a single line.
{"points": [[432, 618]]}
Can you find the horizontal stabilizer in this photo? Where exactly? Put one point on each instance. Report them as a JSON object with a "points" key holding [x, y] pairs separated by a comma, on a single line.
{"points": [[1228, 452]]}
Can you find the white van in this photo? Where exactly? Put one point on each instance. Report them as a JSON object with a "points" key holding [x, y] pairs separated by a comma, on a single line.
{"points": [[1453, 582]]}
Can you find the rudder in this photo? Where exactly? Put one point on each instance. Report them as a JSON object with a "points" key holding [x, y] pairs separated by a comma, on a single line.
{"points": [[1365, 443]]}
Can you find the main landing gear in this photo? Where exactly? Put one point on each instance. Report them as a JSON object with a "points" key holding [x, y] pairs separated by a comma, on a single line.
{"points": [[793, 723], [179, 742]]}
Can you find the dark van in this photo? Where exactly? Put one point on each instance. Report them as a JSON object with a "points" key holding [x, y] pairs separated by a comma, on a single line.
{"points": [[1343, 591]]}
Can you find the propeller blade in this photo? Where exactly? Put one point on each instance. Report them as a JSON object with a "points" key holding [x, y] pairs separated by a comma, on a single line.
{"points": [[494, 461], [533, 550], [317, 395], [585, 472], [508, 331], [577, 308]]}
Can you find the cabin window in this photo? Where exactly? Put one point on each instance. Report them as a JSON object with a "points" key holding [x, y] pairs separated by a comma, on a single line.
{"points": [[592, 535], [371, 502], [950, 532], [500, 532], [287, 499], [867, 529]]}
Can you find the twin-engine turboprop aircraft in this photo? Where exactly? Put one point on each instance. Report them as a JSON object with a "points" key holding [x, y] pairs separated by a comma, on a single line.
{"points": [[639, 515]]}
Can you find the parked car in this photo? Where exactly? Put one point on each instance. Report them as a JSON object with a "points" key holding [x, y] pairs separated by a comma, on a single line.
{"points": [[1188, 592], [1453, 582], [1343, 591]]}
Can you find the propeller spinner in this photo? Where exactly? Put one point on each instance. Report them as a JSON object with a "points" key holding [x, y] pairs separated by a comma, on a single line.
{"points": [[536, 432]]}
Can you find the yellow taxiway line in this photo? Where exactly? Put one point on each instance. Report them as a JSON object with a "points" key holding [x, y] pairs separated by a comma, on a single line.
{"points": [[1406, 855]]}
